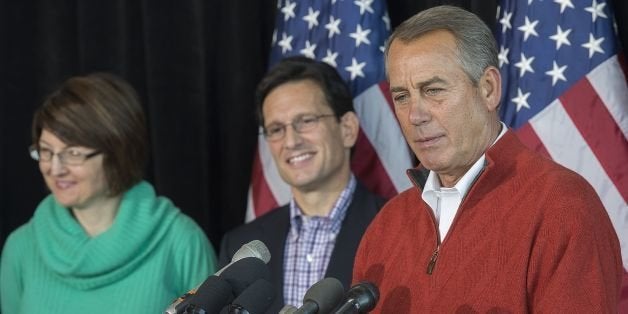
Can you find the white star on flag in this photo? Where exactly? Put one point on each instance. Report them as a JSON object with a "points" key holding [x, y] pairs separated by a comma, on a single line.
{"points": [[561, 37], [525, 65], [596, 9], [557, 73], [594, 45], [521, 100], [528, 29], [288, 10], [333, 26], [311, 18], [360, 36], [355, 68]]}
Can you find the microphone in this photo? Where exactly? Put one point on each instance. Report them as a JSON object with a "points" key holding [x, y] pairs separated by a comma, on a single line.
{"points": [[255, 299], [361, 298], [288, 309], [255, 248], [322, 297], [218, 291]]}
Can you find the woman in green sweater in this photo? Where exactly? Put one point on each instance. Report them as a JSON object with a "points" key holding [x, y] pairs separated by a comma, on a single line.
{"points": [[102, 242]]}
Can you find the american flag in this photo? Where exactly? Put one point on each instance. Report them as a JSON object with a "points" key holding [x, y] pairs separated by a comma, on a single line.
{"points": [[348, 35], [565, 93]]}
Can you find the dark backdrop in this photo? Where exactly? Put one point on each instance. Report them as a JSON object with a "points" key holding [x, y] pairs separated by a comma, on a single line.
{"points": [[195, 64]]}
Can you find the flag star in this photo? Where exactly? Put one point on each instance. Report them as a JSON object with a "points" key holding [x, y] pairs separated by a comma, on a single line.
{"points": [[285, 43], [596, 9], [382, 49], [274, 37], [594, 44], [333, 26], [505, 21], [365, 5], [360, 36], [330, 58], [564, 4], [311, 18], [503, 56], [525, 65], [288, 10], [355, 69], [557, 73], [308, 51], [529, 1], [561, 37], [386, 20], [528, 28], [521, 100]]}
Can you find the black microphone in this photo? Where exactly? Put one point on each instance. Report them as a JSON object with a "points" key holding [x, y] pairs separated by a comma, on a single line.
{"points": [[218, 291], [256, 298], [322, 297], [361, 298], [255, 248]]}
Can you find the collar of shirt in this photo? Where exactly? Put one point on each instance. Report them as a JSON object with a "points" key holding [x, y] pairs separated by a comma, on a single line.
{"points": [[433, 191], [331, 222]]}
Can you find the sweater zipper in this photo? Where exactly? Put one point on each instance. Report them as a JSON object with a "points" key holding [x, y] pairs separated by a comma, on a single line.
{"points": [[432, 263]]}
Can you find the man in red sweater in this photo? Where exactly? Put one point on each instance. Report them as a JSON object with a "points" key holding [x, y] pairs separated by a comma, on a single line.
{"points": [[490, 226]]}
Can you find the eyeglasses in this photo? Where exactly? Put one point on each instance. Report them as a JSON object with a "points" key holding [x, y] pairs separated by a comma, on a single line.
{"points": [[69, 156], [300, 124]]}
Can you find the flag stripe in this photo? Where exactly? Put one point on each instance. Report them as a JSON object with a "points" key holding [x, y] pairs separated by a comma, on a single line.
{"points": [[530, 139], [598, 129], [263, 197], [609, 81], [365, 161], [388, 141], [553, 125]]}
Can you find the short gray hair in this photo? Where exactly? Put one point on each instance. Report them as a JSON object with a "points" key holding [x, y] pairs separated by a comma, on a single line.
{"points": [[475, 43]]}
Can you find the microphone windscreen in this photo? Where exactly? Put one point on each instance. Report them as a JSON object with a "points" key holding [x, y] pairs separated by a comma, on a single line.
{"points": [[257, 298], [364, 296], [327, 293], [211, 296], [244, 272], [255, 248]]}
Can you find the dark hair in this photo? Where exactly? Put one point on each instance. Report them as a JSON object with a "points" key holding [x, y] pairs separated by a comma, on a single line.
{"points": [[299, 68], [99, 111], [475, 43]]}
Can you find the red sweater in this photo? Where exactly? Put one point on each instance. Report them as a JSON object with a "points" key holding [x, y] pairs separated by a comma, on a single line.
{"points": [[530, 236]]}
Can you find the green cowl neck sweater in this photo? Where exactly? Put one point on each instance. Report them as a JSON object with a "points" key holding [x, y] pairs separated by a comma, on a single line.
{"points": [[87, 263]]}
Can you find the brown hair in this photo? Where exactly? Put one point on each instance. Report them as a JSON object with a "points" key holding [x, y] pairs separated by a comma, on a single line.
{"points": [[99, 111]]}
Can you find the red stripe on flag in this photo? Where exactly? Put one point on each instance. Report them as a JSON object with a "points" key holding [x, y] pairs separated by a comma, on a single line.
{"points": [[530, 139], [263, 199], [369, 169], [599, 130], [623, 296], [385, 88]]}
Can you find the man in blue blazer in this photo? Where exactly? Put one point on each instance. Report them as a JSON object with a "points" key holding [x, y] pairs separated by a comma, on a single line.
{"points": [[306, 112]]}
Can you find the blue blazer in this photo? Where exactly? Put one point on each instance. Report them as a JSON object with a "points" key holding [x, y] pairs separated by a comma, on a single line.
{"points": [[272, 229]]}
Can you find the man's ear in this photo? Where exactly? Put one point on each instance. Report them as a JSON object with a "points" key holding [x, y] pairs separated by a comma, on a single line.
{"points": [[350, 126], [491, 87]]}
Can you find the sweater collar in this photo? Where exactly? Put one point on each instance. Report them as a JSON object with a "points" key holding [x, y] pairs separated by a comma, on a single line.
{"points": [[502, 152], [90, 262]]}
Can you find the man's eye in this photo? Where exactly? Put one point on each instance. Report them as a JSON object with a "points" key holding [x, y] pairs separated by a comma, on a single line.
{"points": [[273, 130], [400, 98], [307, 120], [433, 91]]}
